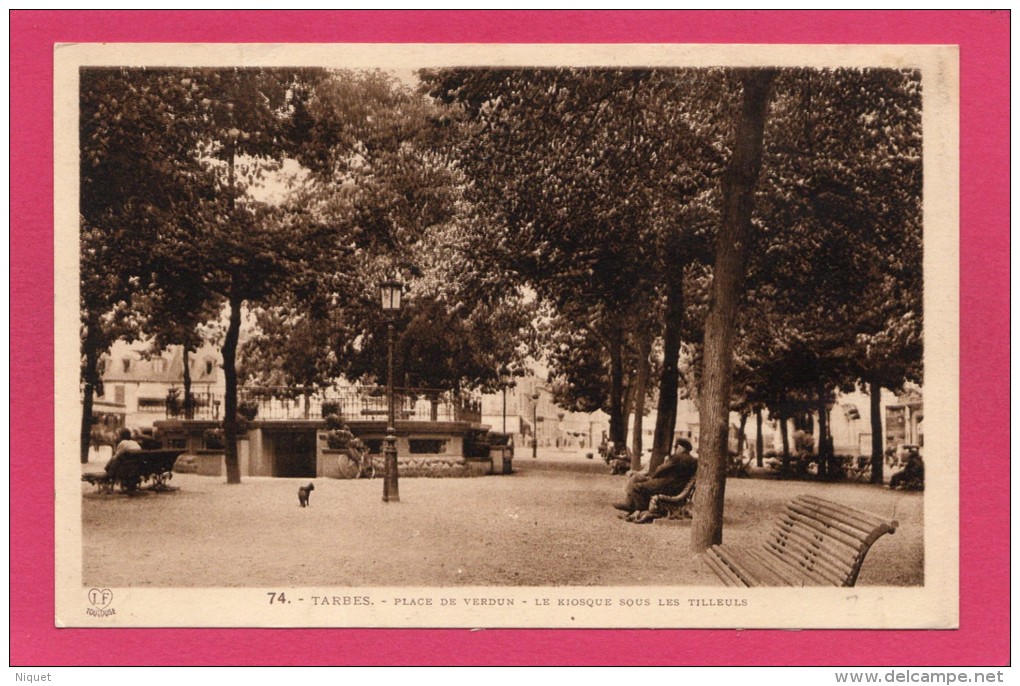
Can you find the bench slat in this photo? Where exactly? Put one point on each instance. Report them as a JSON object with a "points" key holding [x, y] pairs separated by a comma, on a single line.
{"points": [[785, 570], [773, 574], [721, 569], [833, 532], [760, 568], [815, 543], [849, 524], [806, 553], [837, 555], [809, 564], [854, 533], [761, 575], [872, 521], [798, 549], [748, 577]]}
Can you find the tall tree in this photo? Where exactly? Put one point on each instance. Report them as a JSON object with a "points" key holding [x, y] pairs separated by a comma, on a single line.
{"points": [[140, 179], [167, 163], [838, 260], [582, 170], [738, 187], [376, 152]]}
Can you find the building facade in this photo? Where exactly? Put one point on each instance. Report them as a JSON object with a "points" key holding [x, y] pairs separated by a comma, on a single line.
{"points": [[137, 382]]}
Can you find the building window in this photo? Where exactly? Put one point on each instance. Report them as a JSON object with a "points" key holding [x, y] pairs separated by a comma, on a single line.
{"points": [[159, 365], [208, 367], [126, 362], [374, 445], [427, 446], [118, 394], [151, 404]]}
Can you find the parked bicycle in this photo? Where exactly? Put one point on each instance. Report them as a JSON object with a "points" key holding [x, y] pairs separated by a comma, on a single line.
{"points": [[362, 458]]}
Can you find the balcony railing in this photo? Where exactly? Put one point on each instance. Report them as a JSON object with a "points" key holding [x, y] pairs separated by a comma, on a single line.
{"points": [[356, 403]]}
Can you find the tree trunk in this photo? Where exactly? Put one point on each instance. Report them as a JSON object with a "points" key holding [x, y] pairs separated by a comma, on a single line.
{"points": [[738, 185], [189, 401], [669, 379], [617, 418], [92, 384], [628, 403], [86, 422], [230, 391], [91, 375], [784, 432], [759, 441], [877, 449], [640, 390], [741, 439], [824, 455]]}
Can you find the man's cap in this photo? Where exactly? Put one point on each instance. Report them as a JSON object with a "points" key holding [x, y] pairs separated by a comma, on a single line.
{"points": [[685, 444]]}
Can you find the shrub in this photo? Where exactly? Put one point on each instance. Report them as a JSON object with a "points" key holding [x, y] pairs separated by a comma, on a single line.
{"points": [[431, 471], [330, 408], [341, 438], [248, 409], [213, 439]]}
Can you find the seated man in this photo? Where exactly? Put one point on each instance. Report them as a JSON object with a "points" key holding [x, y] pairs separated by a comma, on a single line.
{"points": [[619, 462], [912, 474], [126, 443], [669, 479]]}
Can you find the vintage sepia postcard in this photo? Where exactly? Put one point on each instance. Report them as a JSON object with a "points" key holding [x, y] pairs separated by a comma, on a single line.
{"points": [[507, 336]]}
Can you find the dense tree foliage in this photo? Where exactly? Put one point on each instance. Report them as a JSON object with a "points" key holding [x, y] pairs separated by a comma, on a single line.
{"points": [[140, 180], [382, 178], [166, 158], [588, 173], [835, 284], [767, 222]]}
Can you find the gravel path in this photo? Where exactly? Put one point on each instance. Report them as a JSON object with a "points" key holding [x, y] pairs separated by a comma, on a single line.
{"points": [[548, 524]]}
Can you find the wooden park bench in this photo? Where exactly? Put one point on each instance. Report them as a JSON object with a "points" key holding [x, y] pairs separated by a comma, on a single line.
{"points": [[816, 543], [134, 467], [673, 506]]}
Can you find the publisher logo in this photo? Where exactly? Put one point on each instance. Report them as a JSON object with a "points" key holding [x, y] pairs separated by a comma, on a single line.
{"points": [[100, 598]]}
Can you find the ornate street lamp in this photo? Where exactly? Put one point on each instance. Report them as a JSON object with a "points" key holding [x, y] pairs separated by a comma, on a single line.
{"points": [[389, 295]]}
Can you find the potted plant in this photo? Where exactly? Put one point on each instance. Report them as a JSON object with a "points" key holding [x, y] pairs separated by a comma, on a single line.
{"points": [[248, 409]]}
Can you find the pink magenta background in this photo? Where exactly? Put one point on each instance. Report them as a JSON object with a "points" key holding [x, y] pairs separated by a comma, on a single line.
{"points": [[983, 638]]}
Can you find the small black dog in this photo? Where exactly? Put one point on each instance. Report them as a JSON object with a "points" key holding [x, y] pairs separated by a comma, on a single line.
{"points": [[303, 493]]}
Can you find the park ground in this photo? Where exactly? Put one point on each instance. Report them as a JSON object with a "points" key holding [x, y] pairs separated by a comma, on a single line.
{"points": [[549, 523]]}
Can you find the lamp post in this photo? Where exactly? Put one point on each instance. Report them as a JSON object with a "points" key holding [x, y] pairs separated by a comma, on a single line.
{"points": [[534, 426], [389, 293]]}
